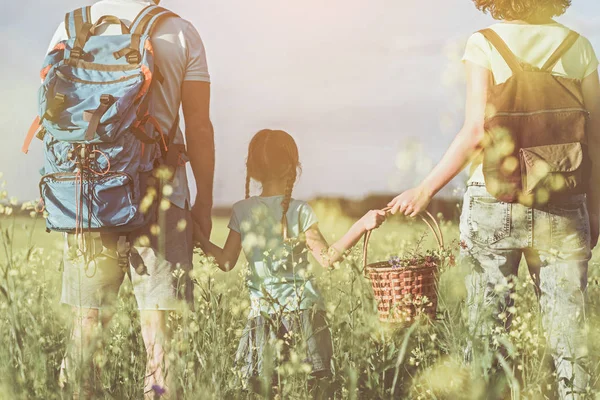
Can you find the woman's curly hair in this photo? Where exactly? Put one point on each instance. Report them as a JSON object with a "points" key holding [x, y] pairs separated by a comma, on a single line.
{"points": [[512, 10]]}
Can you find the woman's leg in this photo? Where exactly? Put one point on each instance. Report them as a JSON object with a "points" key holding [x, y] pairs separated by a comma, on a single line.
{"points": [[559, 265], [491, 248]]}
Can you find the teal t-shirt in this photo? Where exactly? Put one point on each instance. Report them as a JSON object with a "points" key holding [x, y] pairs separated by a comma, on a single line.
{"points": [[278, 278]]}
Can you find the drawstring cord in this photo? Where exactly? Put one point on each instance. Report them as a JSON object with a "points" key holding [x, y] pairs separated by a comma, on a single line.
{"points": [[83, 242]]}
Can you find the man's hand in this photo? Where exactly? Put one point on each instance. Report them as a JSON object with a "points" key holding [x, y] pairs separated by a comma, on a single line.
{"points": [[195, 97], [411, 203], [202, 222]]}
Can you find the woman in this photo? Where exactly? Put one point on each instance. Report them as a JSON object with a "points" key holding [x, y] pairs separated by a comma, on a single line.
{"points": [[527, 62]]}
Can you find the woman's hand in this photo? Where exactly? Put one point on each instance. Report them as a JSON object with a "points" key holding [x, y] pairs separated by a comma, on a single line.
{"points": [[411, 203], [373, 219]]}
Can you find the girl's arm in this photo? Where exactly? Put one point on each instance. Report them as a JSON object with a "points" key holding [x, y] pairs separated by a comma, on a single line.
{"points": [[328, 255], [227, 256], [465, 147], [591, 99]]}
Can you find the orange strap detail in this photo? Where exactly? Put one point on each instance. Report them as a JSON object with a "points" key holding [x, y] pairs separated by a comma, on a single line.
{"points": [[30, 134], [156, 125], [147, 81], [44, 72]]}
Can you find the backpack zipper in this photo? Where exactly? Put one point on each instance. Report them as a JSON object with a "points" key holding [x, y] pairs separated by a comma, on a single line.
{"points": [[77, 80], [69, 176], [526, 114]]}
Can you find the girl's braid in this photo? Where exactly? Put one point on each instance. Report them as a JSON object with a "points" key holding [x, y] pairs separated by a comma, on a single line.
{"points": [[285, 203], [247, 185]]}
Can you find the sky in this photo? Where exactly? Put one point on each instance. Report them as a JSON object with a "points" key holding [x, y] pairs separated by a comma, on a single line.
{"points": [[370, 90]]}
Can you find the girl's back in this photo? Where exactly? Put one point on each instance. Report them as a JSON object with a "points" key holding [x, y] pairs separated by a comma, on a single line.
{"points": [[278, 269]]}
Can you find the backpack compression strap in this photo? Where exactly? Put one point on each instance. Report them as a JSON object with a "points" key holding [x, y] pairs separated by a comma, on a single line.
{"points": [[143, 24], [569, 41], [75, 19], [148, 18], [506, 53]]}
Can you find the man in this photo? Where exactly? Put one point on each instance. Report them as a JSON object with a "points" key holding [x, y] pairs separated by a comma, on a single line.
{"points": [[91, 290]]}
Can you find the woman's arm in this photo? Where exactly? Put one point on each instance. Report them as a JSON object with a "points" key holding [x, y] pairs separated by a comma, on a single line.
{"points": [[328, 255], [591, 98], [227, 256], [464, 148]]}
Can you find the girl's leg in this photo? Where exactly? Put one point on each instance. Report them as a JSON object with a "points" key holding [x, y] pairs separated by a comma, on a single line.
{"points": [[316, 338]]}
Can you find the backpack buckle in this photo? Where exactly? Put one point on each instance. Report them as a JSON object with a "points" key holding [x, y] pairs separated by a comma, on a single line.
{"points": [[77, 52], [107, 99], [41, 134], [133, 57], [55, 107]]}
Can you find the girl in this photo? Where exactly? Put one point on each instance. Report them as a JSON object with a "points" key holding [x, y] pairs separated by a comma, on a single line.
{"points": [[276, 232], [530, 52]]}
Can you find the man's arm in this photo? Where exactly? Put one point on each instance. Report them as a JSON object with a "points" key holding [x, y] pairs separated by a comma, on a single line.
{"points": [[195, 97]]}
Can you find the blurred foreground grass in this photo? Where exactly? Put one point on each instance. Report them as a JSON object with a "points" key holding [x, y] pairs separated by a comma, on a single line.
{"points": [[372, 360]]}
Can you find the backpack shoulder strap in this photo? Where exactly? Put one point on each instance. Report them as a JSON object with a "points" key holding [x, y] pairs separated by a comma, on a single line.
{"points": [[500, 45], [148, 18], [75, 19], [560, 51]]}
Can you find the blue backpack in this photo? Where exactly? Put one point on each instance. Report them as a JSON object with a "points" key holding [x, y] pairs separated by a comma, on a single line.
{"points": [[95, 121]]}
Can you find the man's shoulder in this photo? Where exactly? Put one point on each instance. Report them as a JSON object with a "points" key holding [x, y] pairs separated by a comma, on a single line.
{"points": [[175, 24]]}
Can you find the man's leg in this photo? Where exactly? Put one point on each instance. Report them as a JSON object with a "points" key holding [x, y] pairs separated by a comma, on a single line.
{"points": [[87, 329], [156, 336], [163, 285], [90, 287]]}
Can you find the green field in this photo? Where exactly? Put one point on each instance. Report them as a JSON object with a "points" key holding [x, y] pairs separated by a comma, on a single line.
{"points": [[372, 360]]}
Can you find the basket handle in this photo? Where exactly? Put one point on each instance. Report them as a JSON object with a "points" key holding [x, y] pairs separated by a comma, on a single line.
{"points": [[425, 217]]}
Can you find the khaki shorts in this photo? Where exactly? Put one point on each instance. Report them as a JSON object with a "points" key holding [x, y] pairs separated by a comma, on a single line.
{"points": [[159, 283]]}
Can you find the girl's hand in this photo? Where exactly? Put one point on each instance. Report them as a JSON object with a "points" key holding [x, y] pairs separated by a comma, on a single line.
{"points": [[373, 219], [411, 203]]}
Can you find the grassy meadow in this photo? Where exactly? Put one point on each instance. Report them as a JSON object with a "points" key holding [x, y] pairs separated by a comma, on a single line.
{"points": [[372, 360]]}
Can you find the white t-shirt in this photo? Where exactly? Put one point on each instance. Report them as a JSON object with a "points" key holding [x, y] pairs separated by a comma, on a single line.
{"points": [[180, 56], [533, 44]]}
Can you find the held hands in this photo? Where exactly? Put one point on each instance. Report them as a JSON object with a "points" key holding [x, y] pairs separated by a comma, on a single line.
{"points": [[411, 203], [202, 223], [373, 219]]}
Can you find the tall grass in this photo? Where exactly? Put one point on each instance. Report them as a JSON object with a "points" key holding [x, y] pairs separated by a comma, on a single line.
{"points": [[372, 361]]}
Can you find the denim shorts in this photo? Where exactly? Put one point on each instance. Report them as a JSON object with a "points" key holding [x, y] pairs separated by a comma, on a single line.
{"points": [[163, 282]]}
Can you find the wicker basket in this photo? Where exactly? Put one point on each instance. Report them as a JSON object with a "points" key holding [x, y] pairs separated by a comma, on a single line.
{"points": [[404, 293]]}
